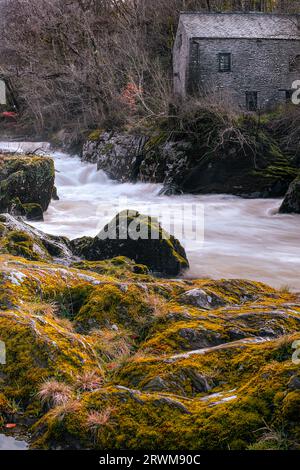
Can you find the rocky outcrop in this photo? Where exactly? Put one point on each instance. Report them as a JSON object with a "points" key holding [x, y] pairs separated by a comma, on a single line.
{"points": [[96, 358], [291, 203], [118, 154], [25, 180], [187, 165], [138, 237], [130, 235]]}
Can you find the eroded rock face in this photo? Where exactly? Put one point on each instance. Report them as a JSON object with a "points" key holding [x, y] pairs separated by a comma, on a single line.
{"points": [[118, 154], [30, 179], [187, 165], [138, 237], [291, 203]]}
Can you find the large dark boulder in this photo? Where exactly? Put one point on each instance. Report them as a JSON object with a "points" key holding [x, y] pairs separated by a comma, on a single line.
{"points": [[30, 179], [138, 237], [291, 203]]}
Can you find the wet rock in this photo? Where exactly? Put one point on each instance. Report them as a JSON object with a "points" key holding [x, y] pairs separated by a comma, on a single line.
{"points": [[201, 299], [138, 237], [157, 384], [33, 212], [291, 203], [294, 383], [186, 164], [28, 178], [55, 195], [118, 154]]}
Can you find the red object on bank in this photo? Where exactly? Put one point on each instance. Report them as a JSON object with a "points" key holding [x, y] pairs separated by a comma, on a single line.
{"points": [[9, 114], [10, 426]]}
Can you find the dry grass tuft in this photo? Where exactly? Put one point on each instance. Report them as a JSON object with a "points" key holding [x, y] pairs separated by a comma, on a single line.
{"points": [[54, 393], [89, 381], [98, 419]]}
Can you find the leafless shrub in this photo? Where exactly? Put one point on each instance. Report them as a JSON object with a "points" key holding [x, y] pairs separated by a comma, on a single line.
{"points": [[213, 120], [287, 126]]}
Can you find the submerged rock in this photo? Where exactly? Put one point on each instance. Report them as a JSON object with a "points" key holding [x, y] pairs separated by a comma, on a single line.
{"points": [[291, 203], [28, 178], [138, 237]]}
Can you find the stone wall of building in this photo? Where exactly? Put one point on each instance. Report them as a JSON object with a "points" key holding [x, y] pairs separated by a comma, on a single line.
{"points": [[261, 65]]}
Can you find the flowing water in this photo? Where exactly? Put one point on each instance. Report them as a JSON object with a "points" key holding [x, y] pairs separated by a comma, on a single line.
{"points": [[11, 443], [242, 238]]}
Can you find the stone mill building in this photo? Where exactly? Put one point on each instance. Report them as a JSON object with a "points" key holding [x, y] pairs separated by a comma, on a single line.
{"points": [[254, 58]]}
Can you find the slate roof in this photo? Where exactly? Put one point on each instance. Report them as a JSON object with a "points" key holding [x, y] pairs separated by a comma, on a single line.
{"points": [[241, 25]]}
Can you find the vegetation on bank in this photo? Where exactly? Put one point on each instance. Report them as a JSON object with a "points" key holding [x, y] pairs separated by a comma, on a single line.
{"points": [[204, 147], [101, 354]]}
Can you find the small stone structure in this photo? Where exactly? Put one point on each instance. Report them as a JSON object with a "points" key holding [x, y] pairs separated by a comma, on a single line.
{"points": [[252, 57]]}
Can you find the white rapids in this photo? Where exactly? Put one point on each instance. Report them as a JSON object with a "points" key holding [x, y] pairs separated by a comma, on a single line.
{"points": [[242, 238]]}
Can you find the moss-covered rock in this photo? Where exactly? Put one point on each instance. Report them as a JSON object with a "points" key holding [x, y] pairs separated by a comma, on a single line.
{"points": [[33, 212], [138, 237], [29, 178], [101, 359], [20, 239], [291, 203]]}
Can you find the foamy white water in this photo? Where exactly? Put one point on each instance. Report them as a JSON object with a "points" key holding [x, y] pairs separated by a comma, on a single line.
{"points": [[242, 238]]}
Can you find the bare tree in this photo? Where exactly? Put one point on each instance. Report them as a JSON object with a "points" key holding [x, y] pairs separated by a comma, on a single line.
{"points": [[73, 64]]}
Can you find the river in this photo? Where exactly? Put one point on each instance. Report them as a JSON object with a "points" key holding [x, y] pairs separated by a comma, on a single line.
{"points": [[224, 236]]}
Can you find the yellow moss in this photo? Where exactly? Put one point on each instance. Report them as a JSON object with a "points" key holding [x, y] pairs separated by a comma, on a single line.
{"points": [[137, 330], [95, 135]]}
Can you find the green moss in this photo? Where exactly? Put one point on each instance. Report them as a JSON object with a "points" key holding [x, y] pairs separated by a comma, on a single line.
{"points": [[20, 243], [121, 267], [95, 135], [111, 304]]}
